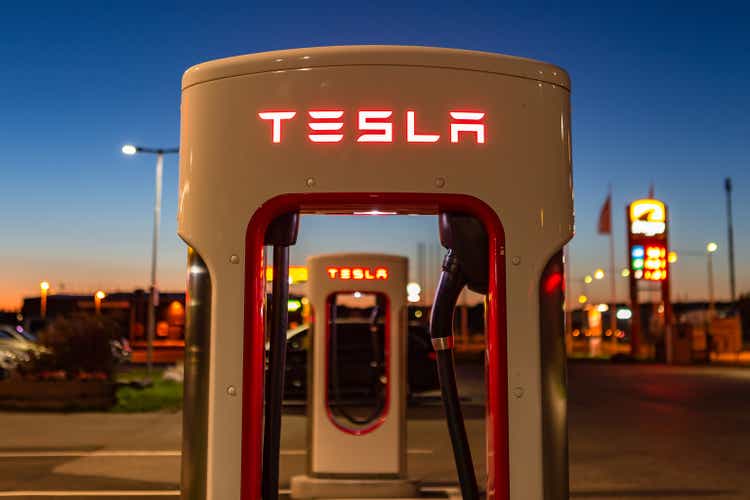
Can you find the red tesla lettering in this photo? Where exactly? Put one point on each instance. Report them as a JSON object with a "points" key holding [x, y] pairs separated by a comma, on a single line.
{"points": [[412, 136], [326, 124], [276, 117], [374, 120], [357, 273], [467, 121]]}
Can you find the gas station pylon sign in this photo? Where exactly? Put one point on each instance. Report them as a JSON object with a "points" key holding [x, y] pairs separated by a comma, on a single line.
{"points": [[648, 261]]}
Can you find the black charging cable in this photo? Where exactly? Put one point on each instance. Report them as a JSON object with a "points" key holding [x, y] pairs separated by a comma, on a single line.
{"points": [[451, 282], [376, 364], [282, 233]]}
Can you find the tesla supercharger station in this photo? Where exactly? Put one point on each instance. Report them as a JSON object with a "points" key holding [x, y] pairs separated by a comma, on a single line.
{"points": [[377, 439], [368, 130]]}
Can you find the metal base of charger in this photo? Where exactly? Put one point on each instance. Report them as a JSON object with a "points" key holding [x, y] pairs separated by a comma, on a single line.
{"points": [[316, 487]]}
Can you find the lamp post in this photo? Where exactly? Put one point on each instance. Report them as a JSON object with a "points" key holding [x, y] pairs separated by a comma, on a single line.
{"points": [[730, 241], [129, 149], [98, 296], [44, 288], [710, 249]]}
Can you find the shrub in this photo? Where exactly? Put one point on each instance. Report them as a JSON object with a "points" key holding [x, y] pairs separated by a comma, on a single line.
{"points": [[77, 347]]}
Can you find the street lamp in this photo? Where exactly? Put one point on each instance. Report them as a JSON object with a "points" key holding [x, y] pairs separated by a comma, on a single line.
{"points": [[413, 290], [44, 288], [98, 296], [672, 257], [130, 150], [711, 247], [598, 274]]}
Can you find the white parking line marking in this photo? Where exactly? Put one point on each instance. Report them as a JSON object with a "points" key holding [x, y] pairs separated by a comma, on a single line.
{"points": [[94, 453], [141, 453], [293, 452], [91, 493], [413, 451]]}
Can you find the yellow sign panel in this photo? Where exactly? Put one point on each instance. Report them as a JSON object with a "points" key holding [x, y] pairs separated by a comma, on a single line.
{"points": [[297, 274], [648, 217]]}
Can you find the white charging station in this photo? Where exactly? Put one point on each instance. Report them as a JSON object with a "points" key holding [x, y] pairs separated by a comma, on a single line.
{"points": [[375, 447], [370, 129]]}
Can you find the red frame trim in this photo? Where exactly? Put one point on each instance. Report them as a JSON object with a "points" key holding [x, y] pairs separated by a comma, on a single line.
{"points": [[387, 361], [496, 365]]}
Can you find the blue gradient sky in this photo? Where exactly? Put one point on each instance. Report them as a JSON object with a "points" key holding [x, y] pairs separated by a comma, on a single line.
{"points": [[660, 94]]}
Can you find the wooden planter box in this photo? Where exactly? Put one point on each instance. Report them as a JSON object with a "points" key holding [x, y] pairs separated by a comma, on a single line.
{"points": [[59, 395]]}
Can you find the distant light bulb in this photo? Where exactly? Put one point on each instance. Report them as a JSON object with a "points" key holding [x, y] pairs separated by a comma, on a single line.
{"points": [[129, 149], [624, 314]]}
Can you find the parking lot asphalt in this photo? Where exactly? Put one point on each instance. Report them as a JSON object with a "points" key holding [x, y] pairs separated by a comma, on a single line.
{"points": [[636, 431]]}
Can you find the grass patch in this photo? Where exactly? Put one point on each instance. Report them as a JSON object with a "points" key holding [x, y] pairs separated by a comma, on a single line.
{"points": [[163, 395]]}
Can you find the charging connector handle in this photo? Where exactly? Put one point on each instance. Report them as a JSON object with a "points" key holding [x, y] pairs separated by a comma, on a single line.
{"points": [[452, 281]]}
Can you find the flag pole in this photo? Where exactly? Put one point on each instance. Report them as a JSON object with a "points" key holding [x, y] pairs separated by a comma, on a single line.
{"points": [[612, 277]]}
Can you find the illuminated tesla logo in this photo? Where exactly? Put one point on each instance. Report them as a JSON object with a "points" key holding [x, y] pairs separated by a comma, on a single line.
{"points": [[327, 126], [647, 217], [357, 273]]}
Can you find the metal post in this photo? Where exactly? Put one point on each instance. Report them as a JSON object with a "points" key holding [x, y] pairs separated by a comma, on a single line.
{"points": [[730, 237], [154, 290], [711, 304], [43, 304], [612, 277], [613, 288]]}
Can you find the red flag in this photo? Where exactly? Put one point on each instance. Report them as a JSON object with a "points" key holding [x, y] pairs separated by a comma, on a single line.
{"points": [[605, 217]]}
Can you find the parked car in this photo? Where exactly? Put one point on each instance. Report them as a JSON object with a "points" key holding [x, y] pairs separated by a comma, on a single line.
{"points": [[421, 367], [8, 362], [18, 341]]}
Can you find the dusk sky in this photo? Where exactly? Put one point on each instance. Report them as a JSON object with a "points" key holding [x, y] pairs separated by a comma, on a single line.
{"points": [[660, 94]]}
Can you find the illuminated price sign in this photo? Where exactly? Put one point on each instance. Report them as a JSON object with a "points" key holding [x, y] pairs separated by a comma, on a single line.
{"points": [[649, 262], [375, 125], [357, 273]]}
